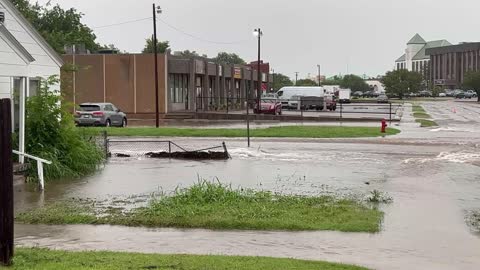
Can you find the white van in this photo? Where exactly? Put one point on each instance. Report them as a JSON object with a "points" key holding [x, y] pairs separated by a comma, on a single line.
{"points": [[295, 92]]}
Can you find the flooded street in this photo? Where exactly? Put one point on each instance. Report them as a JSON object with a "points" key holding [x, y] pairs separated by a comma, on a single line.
{"points": [[433, 176]]}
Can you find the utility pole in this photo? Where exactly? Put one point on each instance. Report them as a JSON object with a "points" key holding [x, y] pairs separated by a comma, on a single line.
{"points": [[156, 10], [273, 81], [258, 32], [6, 184], [296, 78], [319, 76]]}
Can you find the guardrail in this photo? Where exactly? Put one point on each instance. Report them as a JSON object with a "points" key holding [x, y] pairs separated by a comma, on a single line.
{"points": [[40, 163], [303, 107]]}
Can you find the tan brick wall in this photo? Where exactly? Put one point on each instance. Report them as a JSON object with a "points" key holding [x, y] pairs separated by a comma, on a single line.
{"points": [[124, 80]]}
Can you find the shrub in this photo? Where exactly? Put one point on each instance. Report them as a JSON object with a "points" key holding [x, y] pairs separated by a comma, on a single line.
{"points": [[51, 134]]}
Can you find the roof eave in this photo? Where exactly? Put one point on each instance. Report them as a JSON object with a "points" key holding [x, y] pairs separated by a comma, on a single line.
{"points": [[16, 45], [55, 56]]}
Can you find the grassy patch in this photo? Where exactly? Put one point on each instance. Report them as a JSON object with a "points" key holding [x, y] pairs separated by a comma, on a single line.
{"points": [[418, 109], [43, 259], [422, 115], [426, 123], [216, 206], [281, 132]]}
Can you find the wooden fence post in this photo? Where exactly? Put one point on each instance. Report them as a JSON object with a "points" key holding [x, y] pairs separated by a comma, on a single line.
{"points": [[6, 183]]}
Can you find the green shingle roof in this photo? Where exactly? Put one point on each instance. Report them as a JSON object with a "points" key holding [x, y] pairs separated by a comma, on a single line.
{"points": [[401, 59], [417, 39], [431, 44]]}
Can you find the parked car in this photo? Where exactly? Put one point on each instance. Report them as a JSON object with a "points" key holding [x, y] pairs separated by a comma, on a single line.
{"points": [[358, 94], [100, 114], [460, 95], [289, 93], [312, 103], [382, 99], [442, 95], [425, 93], [449, 93], [470, 94], [269, 106], [456, 92], [293, 103]]}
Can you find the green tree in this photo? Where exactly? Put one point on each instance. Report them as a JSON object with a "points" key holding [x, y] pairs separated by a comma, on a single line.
{"points": [[401, 82], [53, 136], [472, 80], [162, 46], [225, 58], [306, 82], [354, 82], [335, 80], [436, 90], [110, 47], [190, 54], [281, 81], [59, 27]]}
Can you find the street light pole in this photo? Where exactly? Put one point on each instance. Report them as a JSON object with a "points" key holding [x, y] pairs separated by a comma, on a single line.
{"points": [[156, 10], [319, 76], [296, 78]]}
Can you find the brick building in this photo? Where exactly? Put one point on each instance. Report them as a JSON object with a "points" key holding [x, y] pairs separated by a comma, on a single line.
{"points": [[449, 64], [186, 84]]}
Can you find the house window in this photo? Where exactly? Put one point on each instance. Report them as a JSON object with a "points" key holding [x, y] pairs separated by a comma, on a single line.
{"points": [[34, 87]]}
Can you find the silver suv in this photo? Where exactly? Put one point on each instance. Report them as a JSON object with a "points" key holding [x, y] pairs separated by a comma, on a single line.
{"points": [[100, 114]]}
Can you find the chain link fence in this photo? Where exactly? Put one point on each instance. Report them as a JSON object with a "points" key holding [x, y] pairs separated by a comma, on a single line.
{"points": [[162, 149]]}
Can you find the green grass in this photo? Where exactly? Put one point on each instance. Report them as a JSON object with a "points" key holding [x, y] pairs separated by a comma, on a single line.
{"points": [[422, 115], [281, 132], [426, 123], [418, 109], [43, 259], [216, 206]]}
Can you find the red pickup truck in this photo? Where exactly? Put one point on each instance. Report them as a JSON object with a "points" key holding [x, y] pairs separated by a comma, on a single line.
{"points": [[331, 101]]}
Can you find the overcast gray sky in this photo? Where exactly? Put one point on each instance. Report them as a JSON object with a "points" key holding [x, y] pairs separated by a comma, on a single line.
{"points": [[355, 36]]}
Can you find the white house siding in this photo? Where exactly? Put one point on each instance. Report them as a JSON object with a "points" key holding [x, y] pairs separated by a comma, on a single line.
{"points": [[44, 65], [5, 87], [17, 66]]}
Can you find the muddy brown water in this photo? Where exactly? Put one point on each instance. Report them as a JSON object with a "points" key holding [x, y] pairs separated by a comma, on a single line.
{"points": [[433, 176]]}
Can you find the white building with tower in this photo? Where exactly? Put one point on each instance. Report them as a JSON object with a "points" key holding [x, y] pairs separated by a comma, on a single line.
{"points": [[414, 58], [25, 58]]}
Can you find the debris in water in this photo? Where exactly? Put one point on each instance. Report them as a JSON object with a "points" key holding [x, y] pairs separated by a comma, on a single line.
{"points": [[190, 155]]}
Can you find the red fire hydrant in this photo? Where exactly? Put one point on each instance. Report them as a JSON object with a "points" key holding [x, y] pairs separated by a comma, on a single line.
{"points": [[384, 126]]}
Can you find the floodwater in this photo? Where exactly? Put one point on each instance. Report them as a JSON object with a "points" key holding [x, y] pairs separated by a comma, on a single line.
{"points": [[433, 175]]}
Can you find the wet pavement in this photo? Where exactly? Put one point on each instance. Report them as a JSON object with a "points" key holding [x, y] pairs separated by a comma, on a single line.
{"points": [[433, 176]]}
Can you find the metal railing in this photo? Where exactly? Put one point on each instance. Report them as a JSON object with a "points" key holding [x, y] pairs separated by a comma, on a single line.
{"points": [[303, 107], [40, 163], [130, 148]]}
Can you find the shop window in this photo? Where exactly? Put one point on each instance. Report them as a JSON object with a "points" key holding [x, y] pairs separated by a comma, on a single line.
{"points": [[178, 85]]}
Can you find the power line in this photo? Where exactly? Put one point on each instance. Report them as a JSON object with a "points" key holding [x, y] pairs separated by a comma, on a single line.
{"points": [[122, 23], [197, 37], [172, 27]]}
